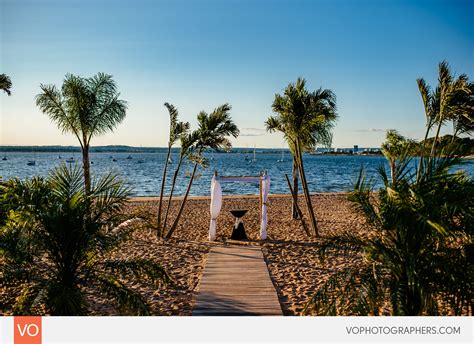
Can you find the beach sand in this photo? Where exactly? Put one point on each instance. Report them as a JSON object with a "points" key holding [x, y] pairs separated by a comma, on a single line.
{"points": [[294, 266]]}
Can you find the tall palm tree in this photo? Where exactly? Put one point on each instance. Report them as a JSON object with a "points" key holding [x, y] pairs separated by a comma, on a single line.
{"points": [[187, 148], [57, 241], [5, 84], [213, 130], [306, 119], [86, 107], [177, 129], [450, 101], [418, 256]]}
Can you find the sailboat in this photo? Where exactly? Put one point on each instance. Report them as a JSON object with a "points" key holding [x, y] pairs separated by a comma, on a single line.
{"points": [[254, 156], [282, 156], [32, 162], [4, 157]]}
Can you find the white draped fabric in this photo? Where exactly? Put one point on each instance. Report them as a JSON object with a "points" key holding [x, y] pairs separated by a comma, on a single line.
{"points": [[216, 204], [216, 201], [265, 191]]}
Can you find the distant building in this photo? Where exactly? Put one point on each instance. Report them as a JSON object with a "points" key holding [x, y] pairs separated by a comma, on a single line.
{"points": [[356, 149]]}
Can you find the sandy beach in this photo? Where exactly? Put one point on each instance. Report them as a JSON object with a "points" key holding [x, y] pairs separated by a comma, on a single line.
{"points": [[295, 268]]}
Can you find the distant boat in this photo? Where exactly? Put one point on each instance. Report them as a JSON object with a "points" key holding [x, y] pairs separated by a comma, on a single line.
{"points": [[140, 161], [170, 161], [114, 159], [254, 155], [59, 157], [31, 163], [129, 157], [4, 157], [70, 160], [188, 174], [282, 156]]}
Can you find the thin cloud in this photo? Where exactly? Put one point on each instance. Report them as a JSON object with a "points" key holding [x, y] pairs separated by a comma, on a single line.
{"points": [[372, 130], [252, 132], [255, 129]]}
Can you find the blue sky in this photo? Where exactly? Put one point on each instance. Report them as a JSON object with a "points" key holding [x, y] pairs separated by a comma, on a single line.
{"points": [[200, 54]]}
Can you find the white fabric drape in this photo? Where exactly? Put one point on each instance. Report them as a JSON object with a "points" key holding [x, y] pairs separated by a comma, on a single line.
{"points": [[265, 191], [216, 204]]}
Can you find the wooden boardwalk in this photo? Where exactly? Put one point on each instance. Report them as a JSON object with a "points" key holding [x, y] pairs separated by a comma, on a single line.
{"points": [[236, 282]]}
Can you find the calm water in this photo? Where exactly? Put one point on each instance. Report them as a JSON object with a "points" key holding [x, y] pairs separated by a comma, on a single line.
{"points": [[324, 173]]}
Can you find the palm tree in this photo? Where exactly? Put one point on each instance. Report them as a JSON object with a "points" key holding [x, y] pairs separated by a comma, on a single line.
{"points": [[463, 121], [57, 241], [5, 84], [86, 107], [187, 147], [450, 101], [177, 129], [306, 120], [214, 128], [416, 259], [418, 256]]}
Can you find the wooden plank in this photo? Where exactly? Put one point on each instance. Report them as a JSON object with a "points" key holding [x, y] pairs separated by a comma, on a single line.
{"points": [[236, 281]]}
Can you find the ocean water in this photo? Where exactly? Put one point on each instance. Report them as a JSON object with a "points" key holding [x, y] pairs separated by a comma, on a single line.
{"points": [[144, 170]]}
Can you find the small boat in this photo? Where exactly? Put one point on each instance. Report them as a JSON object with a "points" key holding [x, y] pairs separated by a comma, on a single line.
{"points": [[170, 161], [140, 161], [31, 163], [114, 159], [4, 157], [282, 156], [254, 156], [70, 160], [129, 157], [59, 157], [188, 174]]}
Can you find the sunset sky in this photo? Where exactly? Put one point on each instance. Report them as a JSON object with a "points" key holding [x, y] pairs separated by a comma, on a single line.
{"points": [[200, 54]]}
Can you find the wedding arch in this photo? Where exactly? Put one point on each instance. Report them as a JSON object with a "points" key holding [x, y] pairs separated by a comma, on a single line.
{"points": [[216, 199]]}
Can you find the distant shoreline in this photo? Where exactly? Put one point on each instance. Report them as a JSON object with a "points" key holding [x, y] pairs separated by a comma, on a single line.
{"points": [[131, 149]]}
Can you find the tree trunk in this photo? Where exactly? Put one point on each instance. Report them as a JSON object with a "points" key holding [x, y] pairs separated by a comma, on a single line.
{"points": [[304, 185], [175, 176], [435, 141], [294, 203], [393, 170], [87, 169], [295, 200], [183, 203], [159, 232]]}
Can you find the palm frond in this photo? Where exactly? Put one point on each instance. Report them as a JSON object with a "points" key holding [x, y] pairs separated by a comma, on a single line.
{"points": [[127, 299], [5, 84], [140, 268]]}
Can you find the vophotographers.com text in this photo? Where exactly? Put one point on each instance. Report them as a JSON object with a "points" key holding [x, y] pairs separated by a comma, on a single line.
{"points": [[403, 330]]}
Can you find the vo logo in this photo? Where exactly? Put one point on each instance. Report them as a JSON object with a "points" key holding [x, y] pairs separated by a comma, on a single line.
{"points": [[27, 330]]}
